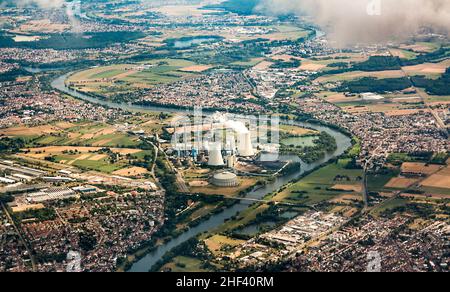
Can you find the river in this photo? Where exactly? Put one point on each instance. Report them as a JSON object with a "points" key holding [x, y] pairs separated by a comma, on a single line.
{"points": [[147, 262]]}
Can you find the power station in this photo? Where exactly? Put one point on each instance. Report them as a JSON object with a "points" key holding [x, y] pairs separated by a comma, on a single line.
{"points": [[245, 145], [227, 146], [215, 155]]}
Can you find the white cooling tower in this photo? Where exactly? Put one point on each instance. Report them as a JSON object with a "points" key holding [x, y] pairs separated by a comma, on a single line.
{"points": [[215, 155], [245, 145]]}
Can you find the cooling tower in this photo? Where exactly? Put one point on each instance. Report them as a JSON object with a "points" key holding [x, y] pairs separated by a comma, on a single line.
{"points": [[215, 155], [245, 145]]}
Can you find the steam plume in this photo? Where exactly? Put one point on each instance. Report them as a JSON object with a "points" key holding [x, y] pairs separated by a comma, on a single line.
{"points": [[43, 3], [365, 21]]}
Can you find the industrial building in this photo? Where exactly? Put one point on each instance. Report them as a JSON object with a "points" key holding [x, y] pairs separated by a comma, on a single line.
{"points": [[86, 189], [57, 179], [215, 155], [225, 179], [31, 172], [245, 145], [51, 194], [5, 180]]}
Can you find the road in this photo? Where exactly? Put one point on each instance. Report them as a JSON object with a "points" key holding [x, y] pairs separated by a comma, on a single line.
{"points": [[181, 183]]}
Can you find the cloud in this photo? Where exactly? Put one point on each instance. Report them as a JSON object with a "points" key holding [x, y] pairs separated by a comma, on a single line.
{"points": [[71, 11], [367, 21], [43, 3]]}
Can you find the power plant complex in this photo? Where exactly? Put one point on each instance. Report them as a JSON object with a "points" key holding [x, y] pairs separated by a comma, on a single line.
{"points": [[222, 145], [220, 150]]}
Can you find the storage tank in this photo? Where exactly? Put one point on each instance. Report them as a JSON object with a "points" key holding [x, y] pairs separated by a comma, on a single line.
{"points": [[225, 179]]}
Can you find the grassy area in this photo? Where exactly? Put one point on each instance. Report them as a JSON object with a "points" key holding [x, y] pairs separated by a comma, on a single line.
{"points": [[314, 188], [243, 219], [95, 134], [433, 190], [249, 63], [184, 264], [294, 130], [102, 165], [218, 242], [388, 205], [120, 78], [356, 149], [376, 182], [404, 54]]}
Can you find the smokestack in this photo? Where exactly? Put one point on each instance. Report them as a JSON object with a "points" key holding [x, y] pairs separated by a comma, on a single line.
{"points": [[215, 155], [245, 145]]}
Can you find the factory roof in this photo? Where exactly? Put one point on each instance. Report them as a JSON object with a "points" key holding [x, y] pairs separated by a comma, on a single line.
{"points": [[225, 175]]}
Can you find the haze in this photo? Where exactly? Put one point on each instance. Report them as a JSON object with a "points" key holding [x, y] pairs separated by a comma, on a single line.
{"points": [[368, 21]]}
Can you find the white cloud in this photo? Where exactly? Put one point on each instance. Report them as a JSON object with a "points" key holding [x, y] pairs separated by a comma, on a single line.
{"points": [[353, 21]]}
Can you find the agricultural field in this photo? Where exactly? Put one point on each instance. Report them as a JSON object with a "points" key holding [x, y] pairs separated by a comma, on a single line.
{"points": [[401, 183], [182, 10], [250, 63], [429, 70], [26, 132], [219, 243], [421, 47], [403, 54], [111, 160], [285, 32], [87, 133], [296, 131], [182, 264], [323, 185], [90, 146], [120, 78], [360, 74], [440, 179], [424, 180], [90, 134], [388, 205]]}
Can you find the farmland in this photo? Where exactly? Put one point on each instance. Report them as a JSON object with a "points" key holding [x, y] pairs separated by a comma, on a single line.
{"points": [[119, 78], [322, 185]]}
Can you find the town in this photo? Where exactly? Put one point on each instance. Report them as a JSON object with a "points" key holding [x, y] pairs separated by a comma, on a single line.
{"points": [[211, 136]]}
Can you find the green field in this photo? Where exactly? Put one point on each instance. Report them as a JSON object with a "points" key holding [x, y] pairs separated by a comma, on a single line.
{"points": [[249, 63], [388, 205], [182, 264], [89, 134], [376, 182], [118, 78], [313, 188], [103, 165], [243, 219]]}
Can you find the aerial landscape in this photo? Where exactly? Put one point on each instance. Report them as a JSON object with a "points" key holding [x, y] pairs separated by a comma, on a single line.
{"points": [[224, 136]]}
